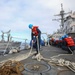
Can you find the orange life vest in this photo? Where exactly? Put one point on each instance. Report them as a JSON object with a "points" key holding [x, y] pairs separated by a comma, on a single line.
{"points": [[69, 41], [34, 30]]}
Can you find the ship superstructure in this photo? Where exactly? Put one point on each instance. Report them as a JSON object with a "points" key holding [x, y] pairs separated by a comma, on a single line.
{"points": [[69, 24]]}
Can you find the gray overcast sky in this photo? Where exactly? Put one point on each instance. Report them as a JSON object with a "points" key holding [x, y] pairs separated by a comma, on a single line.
{"points": [[16, 15]]}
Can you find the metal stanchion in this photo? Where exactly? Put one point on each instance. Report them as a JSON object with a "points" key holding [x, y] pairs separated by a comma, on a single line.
{"points": [[70, 50]]}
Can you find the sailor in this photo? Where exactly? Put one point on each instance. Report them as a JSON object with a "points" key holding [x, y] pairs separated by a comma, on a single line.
{"points": [[35, 33], [68, 43]]}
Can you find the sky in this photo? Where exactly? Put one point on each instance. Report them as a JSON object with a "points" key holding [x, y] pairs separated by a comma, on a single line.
{"points": [[16, 15]]}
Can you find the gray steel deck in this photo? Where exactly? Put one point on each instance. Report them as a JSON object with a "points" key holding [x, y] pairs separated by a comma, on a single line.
{"points": [[47, 52]]}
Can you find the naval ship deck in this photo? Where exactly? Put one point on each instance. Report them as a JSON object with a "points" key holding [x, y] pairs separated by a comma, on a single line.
{"points": [[46, 52]]}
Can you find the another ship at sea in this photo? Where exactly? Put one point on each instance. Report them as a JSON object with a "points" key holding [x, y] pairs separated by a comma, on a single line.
{"points": [[7, 45]]}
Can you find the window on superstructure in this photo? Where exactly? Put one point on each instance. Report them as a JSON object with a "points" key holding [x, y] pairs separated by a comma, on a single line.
{"points": [[66, 27], [73, 19], [71, 28]]}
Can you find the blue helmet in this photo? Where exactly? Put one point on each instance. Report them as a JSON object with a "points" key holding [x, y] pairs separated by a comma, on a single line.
{"points": [[30, 26], [62, 37], [65, 36]]}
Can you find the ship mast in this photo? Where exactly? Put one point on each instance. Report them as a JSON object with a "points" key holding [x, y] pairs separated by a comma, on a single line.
{"points": [[61, 14]]}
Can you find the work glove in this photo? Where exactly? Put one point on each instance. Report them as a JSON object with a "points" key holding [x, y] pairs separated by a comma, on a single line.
{"points": [[32, 41], [36, 36]]}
